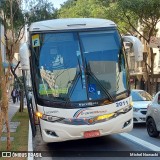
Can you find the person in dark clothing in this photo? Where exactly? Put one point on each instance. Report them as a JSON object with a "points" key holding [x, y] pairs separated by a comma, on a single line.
{"points": [[17, 95], [13, 94], [142, 83]]}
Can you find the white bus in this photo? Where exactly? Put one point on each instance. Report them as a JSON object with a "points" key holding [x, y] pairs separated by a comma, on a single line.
{"points": [[79, 77]]}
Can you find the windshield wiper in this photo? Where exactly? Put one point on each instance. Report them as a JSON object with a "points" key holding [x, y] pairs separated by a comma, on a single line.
{"points": [[75, 80], [73, 84], [88, 72]]}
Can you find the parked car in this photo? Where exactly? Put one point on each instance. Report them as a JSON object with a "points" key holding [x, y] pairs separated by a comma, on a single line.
{"points": [[140, 99], [153, 117]]}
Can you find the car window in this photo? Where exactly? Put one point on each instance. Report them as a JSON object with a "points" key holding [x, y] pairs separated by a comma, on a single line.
{"points": [[146, 96], [141, 96]]}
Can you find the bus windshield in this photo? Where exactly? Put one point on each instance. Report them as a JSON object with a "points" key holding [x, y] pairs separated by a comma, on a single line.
{"points": [[79, 66]]}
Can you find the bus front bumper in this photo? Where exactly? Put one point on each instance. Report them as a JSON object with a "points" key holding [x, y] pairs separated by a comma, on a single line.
{"points": [[57, 132]]}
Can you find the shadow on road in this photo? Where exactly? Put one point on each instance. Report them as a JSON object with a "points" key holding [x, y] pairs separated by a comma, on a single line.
{"points": [[139, 125]]}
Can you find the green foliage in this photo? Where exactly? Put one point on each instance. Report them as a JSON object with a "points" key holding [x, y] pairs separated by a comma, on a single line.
{"points": [[35, 10], [107, 9], [20, 142], [40, 10], [147, 13], [127, 14], [82, 8], [68, 4], [18, 18], [144, 9], [116, 13], [18, 83]]}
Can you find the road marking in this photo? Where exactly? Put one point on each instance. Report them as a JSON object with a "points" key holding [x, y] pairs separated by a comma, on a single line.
{"points": [[141, 142]]}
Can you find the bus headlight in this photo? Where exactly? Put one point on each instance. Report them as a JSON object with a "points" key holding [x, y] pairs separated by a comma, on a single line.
{"points": [[51, 118], [48, 118], [124, 110]]}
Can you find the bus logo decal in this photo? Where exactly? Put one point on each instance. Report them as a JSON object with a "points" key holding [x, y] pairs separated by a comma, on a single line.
{"points": [[78, 113], [88, 112]]}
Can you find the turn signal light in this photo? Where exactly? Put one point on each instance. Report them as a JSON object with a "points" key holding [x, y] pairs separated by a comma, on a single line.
{"points": [[106, 116], [38, 114]]}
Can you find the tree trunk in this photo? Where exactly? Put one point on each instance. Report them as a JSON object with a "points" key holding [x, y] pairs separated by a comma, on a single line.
{"points": [[152, 72], [146, 77], [5, 112], [8, 131], [21, 100], [4, 104], [21, 94], [1, 121]]}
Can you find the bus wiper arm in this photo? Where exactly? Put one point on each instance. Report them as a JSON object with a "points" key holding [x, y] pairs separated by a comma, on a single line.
{"points": [[73, 84], [88, 71], [103, 88], [75, 80]]}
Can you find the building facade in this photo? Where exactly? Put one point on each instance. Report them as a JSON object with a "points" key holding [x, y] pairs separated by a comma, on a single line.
{"points": [[138, 74]]}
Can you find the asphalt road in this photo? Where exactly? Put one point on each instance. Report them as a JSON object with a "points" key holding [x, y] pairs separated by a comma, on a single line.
{"points": [[140, 131], [111, 147]]}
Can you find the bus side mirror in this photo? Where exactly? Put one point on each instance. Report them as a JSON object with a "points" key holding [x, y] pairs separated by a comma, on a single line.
{"points": [[137, 46], [24, 56]]}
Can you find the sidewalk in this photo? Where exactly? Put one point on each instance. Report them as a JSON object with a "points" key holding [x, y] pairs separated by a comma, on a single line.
{"points": [[12, 109]]}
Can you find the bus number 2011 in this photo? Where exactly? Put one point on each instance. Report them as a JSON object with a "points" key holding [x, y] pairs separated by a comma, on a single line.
{"points": [[122, 103]]}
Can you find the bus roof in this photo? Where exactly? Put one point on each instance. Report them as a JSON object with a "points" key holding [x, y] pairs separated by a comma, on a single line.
{"points": [[71, 23]]}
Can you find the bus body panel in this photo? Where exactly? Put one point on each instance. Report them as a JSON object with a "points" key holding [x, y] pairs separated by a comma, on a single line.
{"points": [[65, 132], [70, 23], [77, 61], [73, 132], [85, 112]]}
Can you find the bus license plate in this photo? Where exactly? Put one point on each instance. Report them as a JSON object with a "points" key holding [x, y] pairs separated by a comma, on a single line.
{"points": [[90, 134]]}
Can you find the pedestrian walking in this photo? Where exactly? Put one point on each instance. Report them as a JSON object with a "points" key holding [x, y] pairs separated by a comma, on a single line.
{"points": [[13, 94], [17, 95]]}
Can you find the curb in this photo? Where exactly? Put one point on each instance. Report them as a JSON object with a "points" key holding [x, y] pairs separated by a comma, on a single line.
{"points": [[30, 145]]}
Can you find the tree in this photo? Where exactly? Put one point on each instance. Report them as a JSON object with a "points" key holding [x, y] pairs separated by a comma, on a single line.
{"points": [[147, 14], [18, 83], [68, 4], [116, 14], [39, 10], [14, 18], [82, 8], [128, 14]]}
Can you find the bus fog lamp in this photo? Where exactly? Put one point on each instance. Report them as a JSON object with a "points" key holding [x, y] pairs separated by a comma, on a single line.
{"points": [[127, 123], [51, 133]]}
